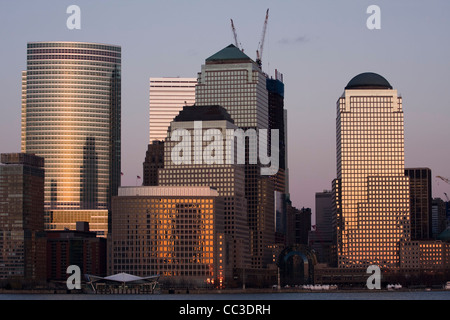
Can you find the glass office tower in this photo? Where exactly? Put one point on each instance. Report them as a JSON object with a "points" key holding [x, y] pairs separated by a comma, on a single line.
{"points": [[71, 105], [371, 191]]}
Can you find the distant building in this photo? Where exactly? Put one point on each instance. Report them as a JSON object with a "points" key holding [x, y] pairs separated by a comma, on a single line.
{"points": [[79, 247], [321, 236], [174, 232], [167, 98], [154, 160], [438, 217], [22, 237], [420, 202]]}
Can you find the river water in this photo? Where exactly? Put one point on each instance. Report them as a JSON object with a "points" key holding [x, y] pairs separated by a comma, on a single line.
{"points": [[336, 295]]}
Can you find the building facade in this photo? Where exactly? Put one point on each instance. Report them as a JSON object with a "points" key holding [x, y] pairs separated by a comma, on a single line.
{"points": [[71, 111], [174, 232], [227, 177], [79, 247], [22, 237], [154, 160], [371, 191], [421, 200], [167, 98], [231, 79]]}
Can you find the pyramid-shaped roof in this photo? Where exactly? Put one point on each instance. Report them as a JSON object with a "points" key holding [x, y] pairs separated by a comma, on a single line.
{"points": [[229, 53]]}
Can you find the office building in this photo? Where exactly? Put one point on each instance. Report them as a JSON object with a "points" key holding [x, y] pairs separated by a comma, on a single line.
{"points": [[420, 202], [278, 121], [204, 124], [154, 160], [371, 192], [438, 217], [79, 247], [71, 111], [321, 236], [174, 232], [22, 237], [231, 79], [167, 98]]}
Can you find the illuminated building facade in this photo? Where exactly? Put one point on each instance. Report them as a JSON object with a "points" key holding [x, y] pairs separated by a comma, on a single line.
{"points": [[231, 79], [371, 192], [167, 98], [22, 237], [175, 232], [71, 110], [227, 178]]}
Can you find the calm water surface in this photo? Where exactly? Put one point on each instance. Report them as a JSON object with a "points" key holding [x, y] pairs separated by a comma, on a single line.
{"points": [[369, 295]]}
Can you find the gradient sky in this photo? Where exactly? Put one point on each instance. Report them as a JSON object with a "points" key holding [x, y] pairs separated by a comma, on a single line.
{"points": [[318, 46]]}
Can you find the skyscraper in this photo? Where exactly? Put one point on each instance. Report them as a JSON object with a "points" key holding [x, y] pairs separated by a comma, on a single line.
{"points": [[228, 179], [421, 200], [371, 192], [71, 111], [22, 237], [231, 79], [167, 98]]}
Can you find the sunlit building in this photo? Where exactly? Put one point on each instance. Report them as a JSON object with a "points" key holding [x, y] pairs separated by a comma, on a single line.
{"points": [[371, 192], [231, 79], [71, 111], [167, 98], [228, 179], [174, 232]]}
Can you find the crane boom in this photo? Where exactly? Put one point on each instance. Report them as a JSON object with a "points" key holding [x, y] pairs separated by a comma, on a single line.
{"points": [[444, 179], [261, 43], [236, 42]]}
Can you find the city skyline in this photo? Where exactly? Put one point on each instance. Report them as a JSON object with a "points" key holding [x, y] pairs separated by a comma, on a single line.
{"points": [[317, 60]]}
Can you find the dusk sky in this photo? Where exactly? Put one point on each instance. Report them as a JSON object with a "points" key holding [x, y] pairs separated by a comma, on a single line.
{"points": [[317, 45]]}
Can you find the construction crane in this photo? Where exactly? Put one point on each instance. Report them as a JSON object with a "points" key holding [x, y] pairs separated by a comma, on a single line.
{"points": [[259, 51], [444, 179], [236, 41]]}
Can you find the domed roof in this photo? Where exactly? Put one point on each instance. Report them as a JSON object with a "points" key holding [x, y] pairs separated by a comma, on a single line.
{"points": [[368, 80]]}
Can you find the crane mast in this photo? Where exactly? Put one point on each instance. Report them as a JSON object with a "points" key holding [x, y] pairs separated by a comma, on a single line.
{"points": [[236, 41]]}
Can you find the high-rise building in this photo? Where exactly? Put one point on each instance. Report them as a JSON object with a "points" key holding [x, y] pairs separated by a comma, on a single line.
{"points": [[154, 160], [420, 205], [371, 190], [22, 236], [175, 232], [71, 116], [278, 121], [321, 236], [231, 79], [167, 98], [203, 124]]}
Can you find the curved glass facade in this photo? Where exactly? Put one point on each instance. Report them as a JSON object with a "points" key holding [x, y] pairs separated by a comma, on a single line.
{"points": [[71, 108]]}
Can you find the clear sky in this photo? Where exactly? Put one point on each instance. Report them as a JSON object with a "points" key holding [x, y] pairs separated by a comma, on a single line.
{"points": [[318, 45]]}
